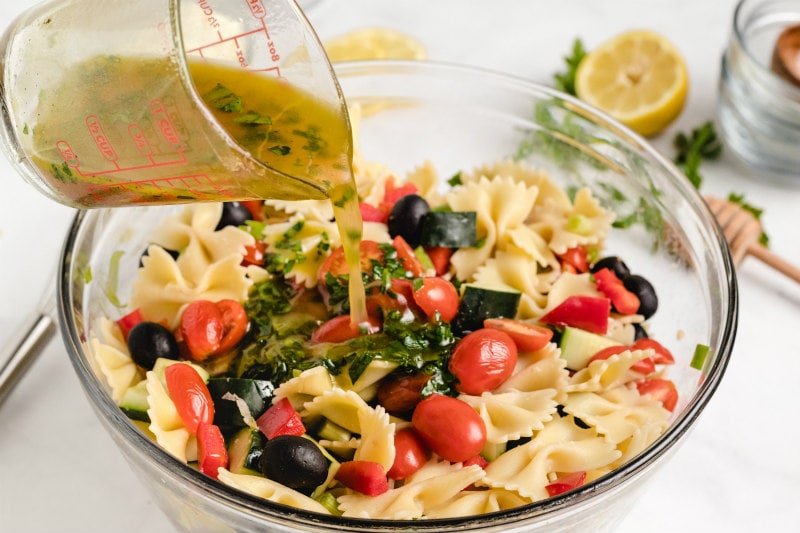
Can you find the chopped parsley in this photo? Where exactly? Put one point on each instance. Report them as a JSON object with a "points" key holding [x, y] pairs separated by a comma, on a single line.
{"points": [[222, 98], [565, 81], [702, 143]]}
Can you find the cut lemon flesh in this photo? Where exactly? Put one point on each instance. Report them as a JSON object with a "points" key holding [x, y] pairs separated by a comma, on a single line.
{"points": [[374, 43], [638, 77]]}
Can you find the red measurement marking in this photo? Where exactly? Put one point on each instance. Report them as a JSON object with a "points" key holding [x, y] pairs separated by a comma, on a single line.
{"points": [[194, 186], [69, 155], [139, 140], [100, 138], [224, 40], [165, 126], [257, 8]]}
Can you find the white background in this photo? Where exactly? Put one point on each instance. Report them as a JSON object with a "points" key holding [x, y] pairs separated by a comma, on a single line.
{"points": [[739, 471]]}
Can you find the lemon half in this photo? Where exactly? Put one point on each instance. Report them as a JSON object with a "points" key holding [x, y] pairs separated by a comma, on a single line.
{"points": [[638, 77], [374, 43]]}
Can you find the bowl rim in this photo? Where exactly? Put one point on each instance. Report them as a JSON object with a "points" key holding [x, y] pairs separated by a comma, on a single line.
{"points": [[113, 418]]}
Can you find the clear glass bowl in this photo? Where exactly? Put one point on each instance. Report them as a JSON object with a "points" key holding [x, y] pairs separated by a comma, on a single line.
{"points": [[457, 118]]}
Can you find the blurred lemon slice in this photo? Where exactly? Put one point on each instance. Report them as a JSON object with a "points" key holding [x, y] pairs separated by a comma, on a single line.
{"points": [[374, 43], [638, 77]]}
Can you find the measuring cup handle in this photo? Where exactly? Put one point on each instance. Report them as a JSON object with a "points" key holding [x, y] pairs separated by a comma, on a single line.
{"points": [[34, 338]]}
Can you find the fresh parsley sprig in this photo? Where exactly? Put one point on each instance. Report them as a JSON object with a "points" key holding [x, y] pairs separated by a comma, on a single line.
{"points": [[565, 81], [701, 144]]}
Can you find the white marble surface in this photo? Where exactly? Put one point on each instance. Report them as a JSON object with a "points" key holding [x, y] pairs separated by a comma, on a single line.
{"points": [[738, 472]]}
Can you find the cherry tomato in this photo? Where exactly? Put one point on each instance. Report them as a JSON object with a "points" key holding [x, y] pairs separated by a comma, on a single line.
{"points": [[400, 394], [234, 322], [211, 452], [391, 193], [341, 328], [449, 427], [566, 482], [400, 298], [202, 329], [437, 294], [483, 360], [440, 257], [662, 356], [643, 366], [407, 257], [190, 395], [527, 337], [366, 477], [410, 454], [336, 263], [662, 390]]}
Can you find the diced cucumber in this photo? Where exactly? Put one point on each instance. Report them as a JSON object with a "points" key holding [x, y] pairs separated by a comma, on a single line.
{"points": [[244, 451], [479, 303], [493, 450], [578, 346], [256, 394], [453, 229], [134, 402], [334, 432]]}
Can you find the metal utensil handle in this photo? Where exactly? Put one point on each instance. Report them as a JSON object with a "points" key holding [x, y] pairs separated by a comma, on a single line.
{"points": [[33, 342]]}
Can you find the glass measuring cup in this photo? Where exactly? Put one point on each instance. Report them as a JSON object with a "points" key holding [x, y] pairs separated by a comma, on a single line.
{"points": [[117, 102]]}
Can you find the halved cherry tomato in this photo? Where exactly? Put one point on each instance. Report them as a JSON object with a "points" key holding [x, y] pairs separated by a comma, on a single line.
{"points": [[336, 263], [662, 356], [370, 213], [208, 328], [566, 482], [623, 300], [659, 389], [410, 454], [281, 419], [189, 393], [440, 257], [254, 254], [437, 294], [576, 258], [527, 337], [449, 427], [407, 257], [483, 360], [127, 322], [341, 328], [234, 322], [211, 452], [366, 477], [202, 329], [400, 298], [643, 366], [581, 311]]}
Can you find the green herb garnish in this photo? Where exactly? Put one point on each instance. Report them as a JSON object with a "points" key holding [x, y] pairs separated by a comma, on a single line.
{"points": [[739, 200], [702, 143], [223, 99], [565, 81]]}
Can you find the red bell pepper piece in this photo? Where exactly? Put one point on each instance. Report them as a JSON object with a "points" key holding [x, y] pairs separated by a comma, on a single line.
{"points": [[281, 419], [575, 259], [581, 311], [127, 322], [566, 482], [255, 254], [621, 298], [659, 389], [189, 392], [211, 451], [366, 477], [370, 213], [440, 257]]}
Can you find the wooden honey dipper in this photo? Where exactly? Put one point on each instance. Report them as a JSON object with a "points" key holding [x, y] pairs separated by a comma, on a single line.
{"points": [[742, 231]]}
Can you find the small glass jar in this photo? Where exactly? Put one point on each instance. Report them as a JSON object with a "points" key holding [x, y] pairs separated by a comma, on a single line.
{"points": [[759, 111]]}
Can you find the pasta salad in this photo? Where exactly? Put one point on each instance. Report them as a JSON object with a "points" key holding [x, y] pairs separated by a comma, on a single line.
{"points": [[505, 359]]}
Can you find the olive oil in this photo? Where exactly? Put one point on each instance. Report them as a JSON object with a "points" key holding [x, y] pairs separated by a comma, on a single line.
{"points": [[129, 130]]}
